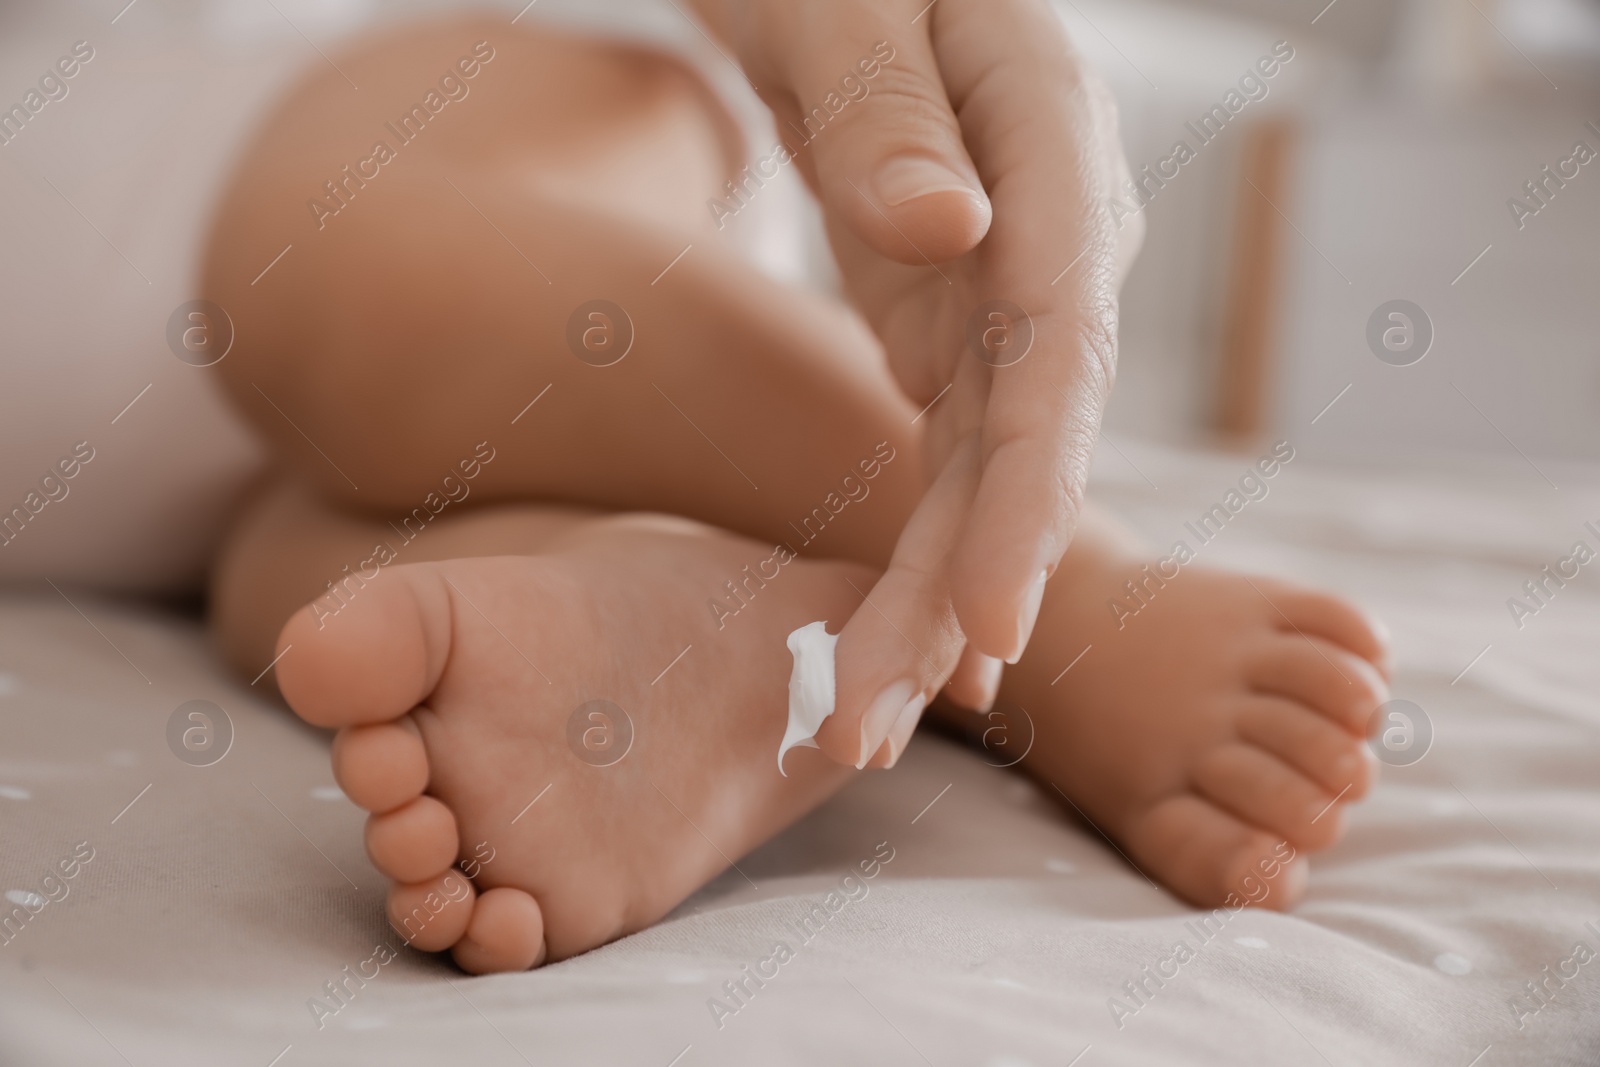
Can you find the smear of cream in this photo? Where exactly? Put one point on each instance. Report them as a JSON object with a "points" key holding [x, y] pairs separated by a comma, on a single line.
{"points": [[811, 690]]}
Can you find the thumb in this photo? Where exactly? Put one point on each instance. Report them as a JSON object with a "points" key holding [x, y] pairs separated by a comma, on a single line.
{"points": [[876, 137]]}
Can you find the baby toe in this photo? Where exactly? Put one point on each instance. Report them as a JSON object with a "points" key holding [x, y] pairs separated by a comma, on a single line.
{"points": [[432, 915], [1264, 791], [1210, 857], [1334, 619], [505, 933], [373, 660], [413, 842], [1304, 739], [380, 767], [1321, 675]]}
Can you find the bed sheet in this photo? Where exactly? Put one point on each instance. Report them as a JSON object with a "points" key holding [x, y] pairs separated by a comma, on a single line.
{"points": [[216, 902]]}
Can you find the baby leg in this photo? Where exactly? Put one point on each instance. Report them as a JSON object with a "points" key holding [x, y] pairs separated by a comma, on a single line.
{"points": [[448, 293]]}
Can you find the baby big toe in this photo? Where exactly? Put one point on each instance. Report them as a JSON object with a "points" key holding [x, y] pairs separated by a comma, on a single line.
{"points": [[376, 659]]}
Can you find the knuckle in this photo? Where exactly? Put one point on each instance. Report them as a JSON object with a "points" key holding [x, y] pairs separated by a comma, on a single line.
{"points": [[1096, 336], [910, 104], [1072, 470], [916, 573]]}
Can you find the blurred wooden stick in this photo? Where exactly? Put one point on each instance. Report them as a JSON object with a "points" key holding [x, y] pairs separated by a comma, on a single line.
{"points": [[1250, 316]]}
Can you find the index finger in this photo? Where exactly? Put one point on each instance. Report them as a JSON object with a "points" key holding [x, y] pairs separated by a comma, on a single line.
{"points": [[1042, 135]]}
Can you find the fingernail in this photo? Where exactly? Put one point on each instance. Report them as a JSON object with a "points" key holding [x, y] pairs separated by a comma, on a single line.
{"points": [[881, 716], [989, 682], [900, 733], [1030, 614], [903, 178]]}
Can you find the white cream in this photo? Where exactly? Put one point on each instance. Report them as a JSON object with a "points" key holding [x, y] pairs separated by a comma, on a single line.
{"points": [[811, 690]]}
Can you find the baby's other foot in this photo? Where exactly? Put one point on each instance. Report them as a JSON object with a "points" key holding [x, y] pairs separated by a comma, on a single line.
{"points": [[1215, 731], [465, 694]]}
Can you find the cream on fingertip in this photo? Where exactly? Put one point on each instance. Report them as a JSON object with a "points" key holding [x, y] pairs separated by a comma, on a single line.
{"points": [[811, 687], [1029, 614]]}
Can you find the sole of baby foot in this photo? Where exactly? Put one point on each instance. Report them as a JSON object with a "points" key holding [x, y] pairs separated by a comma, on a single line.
{"points": [[555, 751]]}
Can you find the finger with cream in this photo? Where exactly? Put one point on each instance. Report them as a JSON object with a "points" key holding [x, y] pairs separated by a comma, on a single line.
{"points": [[811, 687]]}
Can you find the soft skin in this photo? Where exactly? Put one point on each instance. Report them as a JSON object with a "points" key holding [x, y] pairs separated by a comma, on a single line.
{"points": [[1223, 722]]}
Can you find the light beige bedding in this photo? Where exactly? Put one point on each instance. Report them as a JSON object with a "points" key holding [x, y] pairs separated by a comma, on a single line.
{"points": [[1000, 933]]}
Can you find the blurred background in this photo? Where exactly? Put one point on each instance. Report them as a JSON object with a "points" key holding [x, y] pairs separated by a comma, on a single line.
{"points": [[1379, 168], [1382, 164]]}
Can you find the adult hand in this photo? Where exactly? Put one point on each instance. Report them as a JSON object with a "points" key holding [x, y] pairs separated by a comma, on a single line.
{"points": [[966, 198]]}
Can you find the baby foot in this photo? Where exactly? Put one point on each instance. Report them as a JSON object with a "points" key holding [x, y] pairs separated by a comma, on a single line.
{"points": [[1216, 735], [463, 694]]}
